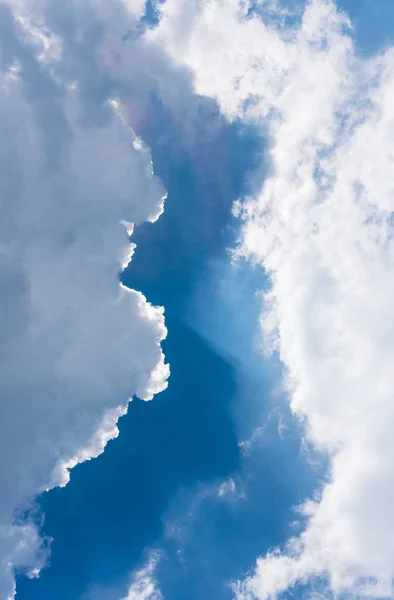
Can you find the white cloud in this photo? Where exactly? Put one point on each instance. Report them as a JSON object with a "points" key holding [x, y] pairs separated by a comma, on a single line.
{"points": [[322, 226], [75, 345], [227, 488], [144, 585]]}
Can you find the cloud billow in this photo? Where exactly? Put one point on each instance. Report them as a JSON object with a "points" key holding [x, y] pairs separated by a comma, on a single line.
{"points": [[75, 344]]}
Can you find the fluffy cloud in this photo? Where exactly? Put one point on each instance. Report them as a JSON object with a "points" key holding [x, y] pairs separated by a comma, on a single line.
{"points": [[75, 344], [322, 226]]}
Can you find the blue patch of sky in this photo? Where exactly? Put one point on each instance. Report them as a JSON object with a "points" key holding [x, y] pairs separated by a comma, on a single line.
{"points": [[151, 16], [372, 23], [213, 540]]}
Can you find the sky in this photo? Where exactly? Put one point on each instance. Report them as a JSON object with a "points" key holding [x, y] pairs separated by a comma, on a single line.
{"points": [[196, 271]]}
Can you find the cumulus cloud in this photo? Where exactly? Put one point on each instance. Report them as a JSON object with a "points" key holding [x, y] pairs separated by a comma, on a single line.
{"points": [[322, 226], [75, 344]]}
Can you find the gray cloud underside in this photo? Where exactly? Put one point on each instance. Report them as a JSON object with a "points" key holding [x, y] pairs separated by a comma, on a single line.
{"points": [[75, 345]]}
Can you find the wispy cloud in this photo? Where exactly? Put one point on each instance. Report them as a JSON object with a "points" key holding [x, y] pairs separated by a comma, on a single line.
{"points": [[144, 585]]}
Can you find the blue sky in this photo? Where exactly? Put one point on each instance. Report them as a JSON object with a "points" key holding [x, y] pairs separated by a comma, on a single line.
{"points": [[372, 23], [206, 477]]}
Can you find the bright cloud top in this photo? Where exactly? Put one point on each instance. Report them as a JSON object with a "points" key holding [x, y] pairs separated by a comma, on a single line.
{"points": [[322, 226], [75, 345]]}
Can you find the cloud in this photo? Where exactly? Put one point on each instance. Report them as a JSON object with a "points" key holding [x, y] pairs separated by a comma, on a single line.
{"points": [[75, 344], [322, 227], [227, 488], [144, 586]]}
